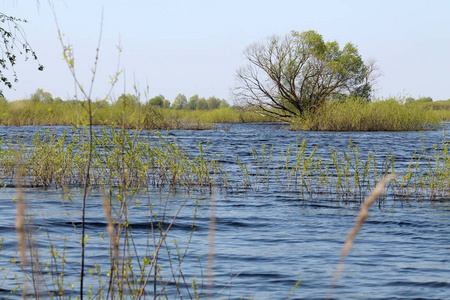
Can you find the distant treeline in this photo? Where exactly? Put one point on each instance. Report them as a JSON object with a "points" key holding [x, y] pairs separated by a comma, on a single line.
{"points": [[193, 103], [180, 102], [128, 111], [395, 114]]}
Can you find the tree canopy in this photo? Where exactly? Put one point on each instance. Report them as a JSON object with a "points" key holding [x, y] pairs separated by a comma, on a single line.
{"points": [[202, 104], [411, 100], [192, 103], [287, 76], [179, 102], [213, 102], [42, 96], [128, 99], [157, 101]]}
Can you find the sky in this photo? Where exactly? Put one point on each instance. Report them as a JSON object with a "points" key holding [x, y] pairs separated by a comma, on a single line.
{"points": [[196, 46]]}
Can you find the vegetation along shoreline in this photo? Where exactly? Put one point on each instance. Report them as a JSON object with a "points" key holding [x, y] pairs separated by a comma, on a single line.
{"points": [[395, 114]]}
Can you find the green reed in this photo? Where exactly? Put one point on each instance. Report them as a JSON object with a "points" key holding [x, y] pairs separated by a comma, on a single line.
{"points": [[345, 175], [427, 174], [138, 159], [119, 158], [358, 115], [263, 165]]}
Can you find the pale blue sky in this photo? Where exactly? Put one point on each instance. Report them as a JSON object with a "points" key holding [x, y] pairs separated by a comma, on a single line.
{"points": [[195, 46]]}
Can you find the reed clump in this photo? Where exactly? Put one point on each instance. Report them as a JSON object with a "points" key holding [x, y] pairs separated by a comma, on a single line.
{"points": [[440, 108], [358, 115], [119, 157], [351, 115]]}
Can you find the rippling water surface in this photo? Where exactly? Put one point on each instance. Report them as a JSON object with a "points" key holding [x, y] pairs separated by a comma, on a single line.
{"points": [[264, 240]]}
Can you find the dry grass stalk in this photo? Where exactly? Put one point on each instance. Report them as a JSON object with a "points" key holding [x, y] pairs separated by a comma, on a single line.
{"points": [[158, 247], [360, 219], [113, 242], [20, 224], [212, 225], [20, 227], [110, 229]]}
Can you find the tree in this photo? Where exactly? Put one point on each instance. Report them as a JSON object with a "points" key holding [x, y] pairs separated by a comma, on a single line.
{"points": [[166, 103], [179, 102], [128, 99], [157, 101], [224, 104], [369, 77], [14, 42], [409, 100], [213, 102], [424, 100], [287, 76], [41, 96], [202, 104], [192, 103]]}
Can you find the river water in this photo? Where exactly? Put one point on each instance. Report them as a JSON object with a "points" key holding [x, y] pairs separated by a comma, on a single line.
{"points": [[265, 240]]}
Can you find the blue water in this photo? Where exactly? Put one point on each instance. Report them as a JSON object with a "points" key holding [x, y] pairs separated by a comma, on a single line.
{"points": [[265, 240]]}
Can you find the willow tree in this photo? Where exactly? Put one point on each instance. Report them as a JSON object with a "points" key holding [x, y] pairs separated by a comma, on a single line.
{"points": [[287, 76]]}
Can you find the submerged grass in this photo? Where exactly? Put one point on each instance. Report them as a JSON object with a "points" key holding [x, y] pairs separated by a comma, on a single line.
{"points": [[139, 159], [118, 157]]}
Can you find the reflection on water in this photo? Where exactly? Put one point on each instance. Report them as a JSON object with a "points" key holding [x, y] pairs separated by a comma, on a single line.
{"points": [[265, 241]]}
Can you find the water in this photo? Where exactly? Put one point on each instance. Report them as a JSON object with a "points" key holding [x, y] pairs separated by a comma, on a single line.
{"points": [[264, 240]]}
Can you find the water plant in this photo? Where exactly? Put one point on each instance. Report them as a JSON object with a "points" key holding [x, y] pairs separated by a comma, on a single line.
{"points": [[139, 159], [357, 115]]}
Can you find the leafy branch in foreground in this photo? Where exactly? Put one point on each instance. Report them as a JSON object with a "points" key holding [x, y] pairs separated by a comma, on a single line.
{"points": [[14, 41], [87, 95]]}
